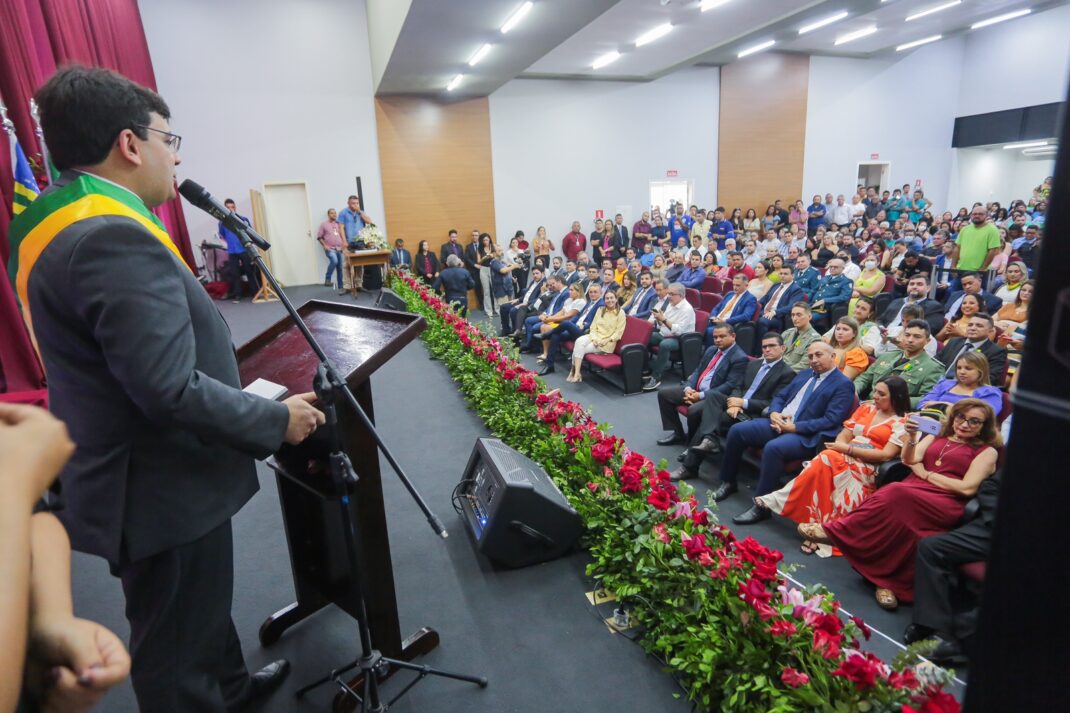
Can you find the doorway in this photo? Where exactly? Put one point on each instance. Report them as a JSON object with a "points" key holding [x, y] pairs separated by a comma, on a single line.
{"points": [[295, 254], [875, 175], [666, 193]]}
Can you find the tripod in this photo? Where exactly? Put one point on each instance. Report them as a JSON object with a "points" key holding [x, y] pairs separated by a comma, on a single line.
{"points": [[372, 663]]}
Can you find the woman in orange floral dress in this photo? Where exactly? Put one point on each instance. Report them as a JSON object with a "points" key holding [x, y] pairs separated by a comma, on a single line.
{"points": [[836, 481]]}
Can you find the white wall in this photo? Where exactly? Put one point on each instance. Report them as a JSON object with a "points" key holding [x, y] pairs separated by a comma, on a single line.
{"points": [[259, 92], [385, 20], [856, 108], [563, 148], [993, 174], [1019, 63]]}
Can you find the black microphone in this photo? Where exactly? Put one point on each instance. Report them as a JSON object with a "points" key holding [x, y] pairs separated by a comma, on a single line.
{"points": [[196, 194]]}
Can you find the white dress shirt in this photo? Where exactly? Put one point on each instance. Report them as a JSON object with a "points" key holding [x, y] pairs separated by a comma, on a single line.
{"points": [[796, 401], [681, 318]]}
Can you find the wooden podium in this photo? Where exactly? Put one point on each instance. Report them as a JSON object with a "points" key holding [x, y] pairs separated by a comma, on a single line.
{"points": [[358, 340]]}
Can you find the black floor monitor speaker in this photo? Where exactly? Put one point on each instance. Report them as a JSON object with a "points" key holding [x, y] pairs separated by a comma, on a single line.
{"points": [[388, 299], [511, 507]]}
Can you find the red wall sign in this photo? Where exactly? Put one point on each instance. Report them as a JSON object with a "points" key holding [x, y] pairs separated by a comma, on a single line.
{"points": [[599, 214], [874, 156], [672, 173]]}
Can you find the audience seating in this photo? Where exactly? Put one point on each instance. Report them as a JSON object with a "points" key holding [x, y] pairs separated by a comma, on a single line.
{"points": [[836, 311], [881, 301], [709, 300], [691, 347], [628, 356], [747, 333], [712, 284], [791, 468], [693, 298]]}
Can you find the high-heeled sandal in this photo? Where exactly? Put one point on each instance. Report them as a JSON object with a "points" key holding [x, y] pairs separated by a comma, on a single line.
{"points": [[886, 599], [813, 532]]}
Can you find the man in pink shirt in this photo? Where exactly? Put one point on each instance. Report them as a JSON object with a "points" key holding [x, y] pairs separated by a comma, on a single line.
{"points": [[329, 237], [574, 243]]}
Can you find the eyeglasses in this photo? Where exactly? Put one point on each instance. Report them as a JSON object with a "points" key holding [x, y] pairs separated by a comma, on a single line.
{"points": [[173, 141], [971, 422]]}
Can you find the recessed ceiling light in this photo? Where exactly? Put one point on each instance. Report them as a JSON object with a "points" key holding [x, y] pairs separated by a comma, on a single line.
{"points": [[516, 17], [607, 58], [856, 35], [821, 23], [1000, 18], [1026, 144], [931, 10], [479, 55], [650, 36], [756, 48], [1041, 151], [710, 4], [454, 83], [916, 43]]}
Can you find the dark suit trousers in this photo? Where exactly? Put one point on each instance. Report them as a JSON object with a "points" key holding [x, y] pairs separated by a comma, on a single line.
{"points": [[507, 312], [776, 324], [669, 397], [185, 650], [936, 578], [566, 332], [777, 450]]}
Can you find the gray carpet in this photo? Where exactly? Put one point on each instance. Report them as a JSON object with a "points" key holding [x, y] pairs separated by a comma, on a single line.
{"points": [[530, 631]]}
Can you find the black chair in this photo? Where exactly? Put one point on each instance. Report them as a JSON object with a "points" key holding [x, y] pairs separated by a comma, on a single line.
{"points": [[836, 311], [881, 302]]}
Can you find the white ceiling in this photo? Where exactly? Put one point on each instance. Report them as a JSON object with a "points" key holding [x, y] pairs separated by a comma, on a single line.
{"points": [[562, 38]]}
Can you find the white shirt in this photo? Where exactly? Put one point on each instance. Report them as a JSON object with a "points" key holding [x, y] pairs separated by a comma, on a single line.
{"points": [[1007, 295], [841, 214], [857, 209], [852, 271], [796, 401], [576, 304], [682, 318], [891, 346]]}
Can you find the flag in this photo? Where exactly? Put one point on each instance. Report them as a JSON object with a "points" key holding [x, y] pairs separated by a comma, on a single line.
{"points": [[25, 184]]}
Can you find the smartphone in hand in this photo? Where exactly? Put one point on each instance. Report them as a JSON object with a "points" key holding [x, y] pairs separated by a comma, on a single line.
{"points": [[926, 425]]}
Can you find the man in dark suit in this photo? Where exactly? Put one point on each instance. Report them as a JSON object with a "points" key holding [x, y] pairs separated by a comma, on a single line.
{"points": [[471, 263], [937, 611], [719, 371], [572, 329], [971, 285], [454, 282], [643, 300], [917, 293], [762, 380], [142, 370], [979, 332], [776, 305], [622, 233], [806, 275], [810, 411], [514, 312], [451, 247], [400, 258]]}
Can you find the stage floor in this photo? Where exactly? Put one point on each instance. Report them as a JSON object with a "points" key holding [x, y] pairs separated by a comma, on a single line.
{"points": [[530, 631]]}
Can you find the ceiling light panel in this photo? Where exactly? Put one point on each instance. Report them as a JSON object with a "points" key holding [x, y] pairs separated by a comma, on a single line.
{"points": [[479, 55], [455, 82], [606, 59], [516, 17], [756, 48], [931, 10], [654, 34], [710, 4], [1026, 145], [918, 43], [822, 23], [1000, 18], [856, 35]]}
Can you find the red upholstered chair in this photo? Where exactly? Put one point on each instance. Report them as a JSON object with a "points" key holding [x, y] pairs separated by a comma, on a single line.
{"points": [[628, 356], [712, 284], [1006, 409], [693, 297], [889, 284], [974, 571], [709, 300]]}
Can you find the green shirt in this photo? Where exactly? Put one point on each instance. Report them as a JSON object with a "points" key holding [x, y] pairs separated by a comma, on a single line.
{"points": [[796, 344], [974, 244]]}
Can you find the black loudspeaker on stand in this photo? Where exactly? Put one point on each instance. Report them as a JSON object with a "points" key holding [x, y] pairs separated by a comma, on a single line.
{"points": [[388, 299]]}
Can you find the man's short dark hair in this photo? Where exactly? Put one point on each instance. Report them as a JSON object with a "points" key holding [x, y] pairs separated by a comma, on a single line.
{"points": [[453, 231], [986, 317], [725, 326], [919, 324], [231, 201], [352, 198], [805, 307], [83, 110], [735, 253], [920, 276], [774, 335], [974, 275]]}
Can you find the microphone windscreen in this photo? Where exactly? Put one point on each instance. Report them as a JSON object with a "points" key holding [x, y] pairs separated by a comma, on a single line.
{"points": [[193, 192]]}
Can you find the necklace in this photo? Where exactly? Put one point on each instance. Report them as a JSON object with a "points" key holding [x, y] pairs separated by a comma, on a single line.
{"points": [[940, 457]]}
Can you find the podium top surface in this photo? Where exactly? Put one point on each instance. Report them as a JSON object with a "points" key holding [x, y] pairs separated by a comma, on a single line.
{"points": [[357, 339]]}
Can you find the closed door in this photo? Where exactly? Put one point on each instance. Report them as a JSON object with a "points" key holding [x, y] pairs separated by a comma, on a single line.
{"points": [[295, 255]]}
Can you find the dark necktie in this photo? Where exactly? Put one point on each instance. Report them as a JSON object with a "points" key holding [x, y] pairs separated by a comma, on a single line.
{"points": [[806, 394]]}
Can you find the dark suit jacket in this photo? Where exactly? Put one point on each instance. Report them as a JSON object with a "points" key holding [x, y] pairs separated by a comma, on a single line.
{"points": [[742, 311], [450, 249], [778, 377], [622, 235], [728, 375], [534, 288], [996, 355], [822, 415], [643, 308], [992, 303], [934, 313], [455, 283], [783, 307], [141, 368], [404, 259], [471, 257]]}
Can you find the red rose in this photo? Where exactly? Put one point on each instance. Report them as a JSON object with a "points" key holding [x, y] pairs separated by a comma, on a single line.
{"points": [[542, 400], [862, 669], [765, 571], [754, 590], [630, 482], [782, 628], [695, 545], [635, 460], [528, 384], [935, 701], [794, 678], [904, 679], [700, 517], [660, 499], [508, 374], [721, 570], [603, 451], [826, 644], [593, 487], [861, 625]]}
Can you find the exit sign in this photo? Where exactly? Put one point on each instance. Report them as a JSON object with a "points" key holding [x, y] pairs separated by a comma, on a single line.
{"points": [[874, 156], [672, 173]]}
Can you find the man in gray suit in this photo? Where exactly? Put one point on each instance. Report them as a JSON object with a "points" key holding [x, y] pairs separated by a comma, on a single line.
{"points": [[142, 369]]}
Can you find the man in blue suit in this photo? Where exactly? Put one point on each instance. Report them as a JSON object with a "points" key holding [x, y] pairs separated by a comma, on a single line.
{"points": [[735, 308], [806, 276], [400, 258], [810, 411], [693, 275], [776, 305], [719, 371], [835, 288], [556, 286], [573, 329], [643, 300]]}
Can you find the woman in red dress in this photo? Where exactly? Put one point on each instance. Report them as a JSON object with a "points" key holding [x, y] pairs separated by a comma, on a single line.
{"points": [[880, 537]]}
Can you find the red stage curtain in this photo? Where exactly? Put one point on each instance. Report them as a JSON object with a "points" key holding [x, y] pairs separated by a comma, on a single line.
{"points": [[36, 36]]}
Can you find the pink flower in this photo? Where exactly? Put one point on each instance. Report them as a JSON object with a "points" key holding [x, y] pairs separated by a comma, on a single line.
{"points": [[790, 595], [682, 509], [662, 533], [706, 559], [794, 678], [593, 487]]}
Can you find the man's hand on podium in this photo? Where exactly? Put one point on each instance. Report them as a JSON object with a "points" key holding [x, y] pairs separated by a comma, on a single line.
{"points": [[304, 417]]}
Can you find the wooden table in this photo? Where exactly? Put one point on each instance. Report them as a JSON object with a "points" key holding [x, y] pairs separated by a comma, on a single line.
{"points": [[362, 259]]}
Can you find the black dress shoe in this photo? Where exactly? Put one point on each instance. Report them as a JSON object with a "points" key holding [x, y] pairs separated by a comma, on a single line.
{"points": [[548, 369], [680, 458], [947, 652], [263, 683], [708, 445], [917, 632], [755, 514], [671, 440], [684, 473], [723, 491]]}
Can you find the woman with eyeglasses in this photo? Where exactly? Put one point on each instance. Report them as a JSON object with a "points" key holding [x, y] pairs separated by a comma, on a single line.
{"points": [[880, 537]]}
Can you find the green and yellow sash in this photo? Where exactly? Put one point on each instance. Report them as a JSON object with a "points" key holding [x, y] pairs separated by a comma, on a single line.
{"points": [[87, 196]]}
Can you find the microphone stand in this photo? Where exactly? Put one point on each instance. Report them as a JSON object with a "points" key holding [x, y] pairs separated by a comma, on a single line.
{"points": [[329, 387]]}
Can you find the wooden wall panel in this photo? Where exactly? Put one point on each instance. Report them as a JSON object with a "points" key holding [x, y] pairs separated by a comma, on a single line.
{"points": [[762, 131], [436, 168]]}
